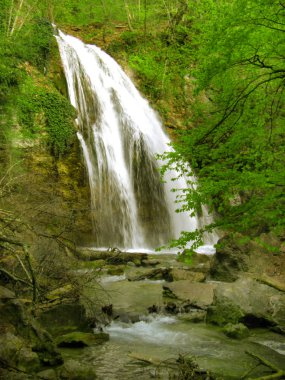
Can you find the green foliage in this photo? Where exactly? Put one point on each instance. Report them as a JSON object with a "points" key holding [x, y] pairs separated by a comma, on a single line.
{"points": [[42, 109], [236, 146], [26, 38], [36, 47]]}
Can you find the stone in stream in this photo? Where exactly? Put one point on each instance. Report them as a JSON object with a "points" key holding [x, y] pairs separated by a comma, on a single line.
{"points": [[182, 274], [142, 273], [199, 295]]}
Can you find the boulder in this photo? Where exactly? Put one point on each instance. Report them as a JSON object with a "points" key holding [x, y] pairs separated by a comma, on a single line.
{"points": [[198, 295], [230, 259], [64, 318], [236, 254], [247, 301], [80, 339]]}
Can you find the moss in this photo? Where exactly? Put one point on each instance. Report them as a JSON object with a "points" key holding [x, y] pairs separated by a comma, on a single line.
{"points": [[43, 112], [223, 313], [238, 331], [79, 339]]}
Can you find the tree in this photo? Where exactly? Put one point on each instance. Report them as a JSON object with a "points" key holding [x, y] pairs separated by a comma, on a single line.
{"points": [[235, 139]]}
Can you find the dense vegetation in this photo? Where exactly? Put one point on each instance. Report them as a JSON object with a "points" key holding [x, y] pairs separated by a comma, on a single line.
{"points": [[214, 70], [26, 94]]}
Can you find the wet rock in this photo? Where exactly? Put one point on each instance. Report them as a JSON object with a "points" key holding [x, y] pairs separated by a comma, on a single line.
{"points": [[238, 331], [149, 273], [249, 302], [153, 309], [74, 370], [107, 309], [182, 274], [150, 262], [126, 317], [79, 339], [171, 308], [199, 295]]}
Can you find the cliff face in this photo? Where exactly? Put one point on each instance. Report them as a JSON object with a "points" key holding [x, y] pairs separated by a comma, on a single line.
{"points": [[36, 184]]}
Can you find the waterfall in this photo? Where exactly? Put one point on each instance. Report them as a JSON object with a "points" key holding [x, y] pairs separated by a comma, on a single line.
{"points": [[120, 135]]}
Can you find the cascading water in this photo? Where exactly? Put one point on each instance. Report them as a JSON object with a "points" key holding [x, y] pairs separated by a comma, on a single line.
{"points": [[120, 135]]}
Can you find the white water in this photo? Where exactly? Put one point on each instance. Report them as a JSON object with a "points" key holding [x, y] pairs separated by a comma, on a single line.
{"points": [[120, 135], [153, 330]]}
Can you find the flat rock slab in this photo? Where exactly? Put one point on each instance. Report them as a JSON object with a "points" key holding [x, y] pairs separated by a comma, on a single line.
{"points": [[138, 274], [199, 295]]}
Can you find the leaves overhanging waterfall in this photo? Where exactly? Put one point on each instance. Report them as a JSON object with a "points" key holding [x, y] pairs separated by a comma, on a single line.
{"points": [[120, 135]]}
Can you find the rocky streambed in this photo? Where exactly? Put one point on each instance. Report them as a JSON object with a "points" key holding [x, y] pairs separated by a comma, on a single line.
{"points": [[151, 315]]}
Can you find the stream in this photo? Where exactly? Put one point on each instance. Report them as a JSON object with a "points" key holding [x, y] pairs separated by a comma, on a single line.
{"points": [[137, 334]]}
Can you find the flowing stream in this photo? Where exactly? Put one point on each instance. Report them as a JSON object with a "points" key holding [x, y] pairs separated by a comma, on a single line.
{"points": [[162, 337], [120, 136]]}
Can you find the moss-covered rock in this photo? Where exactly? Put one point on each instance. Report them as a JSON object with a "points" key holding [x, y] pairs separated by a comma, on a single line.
{"points": [[249, 302], [65, 318], [223, 312], [238, 331], [24, 344], [15, 352]]}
